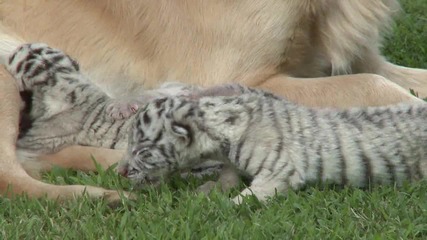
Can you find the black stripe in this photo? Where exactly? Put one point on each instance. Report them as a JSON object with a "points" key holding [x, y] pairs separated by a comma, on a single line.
{"points": [[261, 166], [249, 158], [83, 87], [279, 146], [75, 64], [72, 97], [341, 155], [302, 140], [344, 179], [403, 162], [49, 51], [117, 134], [82, 101], [37, 71], [164, 153], [146, 118], [369, 178], [401, 132], [320, 163], [102, 110], [19, 67], [225, 147], [171, 150], [106, 131], [37, 51], [418, 171], [391, 170], [11, 58], [350, 119], [57, 58], [97, 114], [190, 112], [47, 64], [238, 150], [280, 171], [158, 137], [159, 102], [159, 113], [70, 80], [181, 105], [171, 103], [217, 166], [30, 56], [28, 66]]}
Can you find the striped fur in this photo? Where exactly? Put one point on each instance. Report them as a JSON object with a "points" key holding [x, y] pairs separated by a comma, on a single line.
{"points": [[280, 144], [65, 108]]}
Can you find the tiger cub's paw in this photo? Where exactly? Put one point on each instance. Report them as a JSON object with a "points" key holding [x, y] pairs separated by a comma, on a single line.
{"points": [[34, 63], [207, 187], [122, 109]]}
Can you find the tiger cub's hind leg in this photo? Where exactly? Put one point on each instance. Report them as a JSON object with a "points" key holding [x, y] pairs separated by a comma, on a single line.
{"points": [[13, 179], [24, 64]]}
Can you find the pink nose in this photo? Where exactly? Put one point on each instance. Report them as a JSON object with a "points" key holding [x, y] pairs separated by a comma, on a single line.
{"points": [[123, 172]]}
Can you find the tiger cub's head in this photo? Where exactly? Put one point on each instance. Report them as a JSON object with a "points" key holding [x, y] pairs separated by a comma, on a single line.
{"points": [[164, 138]]}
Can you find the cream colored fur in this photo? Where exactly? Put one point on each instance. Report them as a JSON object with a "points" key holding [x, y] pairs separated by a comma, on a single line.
{"points": [[130, 45]]}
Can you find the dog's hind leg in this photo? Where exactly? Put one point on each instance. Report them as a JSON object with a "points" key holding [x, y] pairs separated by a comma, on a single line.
{"points": [[407, 78], [343, 91]]}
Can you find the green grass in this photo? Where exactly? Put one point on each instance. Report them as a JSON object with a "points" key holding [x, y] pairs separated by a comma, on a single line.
{"points": [[176, 212]]}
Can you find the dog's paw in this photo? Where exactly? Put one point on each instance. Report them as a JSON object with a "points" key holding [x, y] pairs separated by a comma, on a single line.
{"points": [[122, 109]]}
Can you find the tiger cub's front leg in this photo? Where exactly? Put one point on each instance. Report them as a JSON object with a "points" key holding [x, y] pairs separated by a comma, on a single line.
{"points": [[267, 183], [123, 108], [228, 179]]}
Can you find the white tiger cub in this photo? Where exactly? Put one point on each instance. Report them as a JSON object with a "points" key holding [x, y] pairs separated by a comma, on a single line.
{"points": [[66, 108], [280, 144]]}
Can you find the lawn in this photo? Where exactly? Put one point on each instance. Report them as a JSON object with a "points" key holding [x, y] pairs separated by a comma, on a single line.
{"points": [[175, 211]]}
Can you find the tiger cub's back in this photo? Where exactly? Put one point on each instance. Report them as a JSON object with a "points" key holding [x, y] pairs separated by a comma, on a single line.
{"points": [[358, 146]]}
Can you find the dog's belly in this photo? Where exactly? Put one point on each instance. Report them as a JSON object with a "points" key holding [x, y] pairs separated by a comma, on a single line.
{"points": [[201, 42]]}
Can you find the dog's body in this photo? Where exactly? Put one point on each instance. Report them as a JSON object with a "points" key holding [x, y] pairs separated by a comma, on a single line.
{"points": [[127, 45]]}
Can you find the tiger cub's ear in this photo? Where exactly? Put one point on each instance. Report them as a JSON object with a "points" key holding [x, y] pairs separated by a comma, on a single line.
{"points": [[182, 132]]}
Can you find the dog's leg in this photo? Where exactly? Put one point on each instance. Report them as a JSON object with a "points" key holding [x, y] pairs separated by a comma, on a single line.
{"points": [[77, 158], [344, 91], [407, 78], [13, 178]]}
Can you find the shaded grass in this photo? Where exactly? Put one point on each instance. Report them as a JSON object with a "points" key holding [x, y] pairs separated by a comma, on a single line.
{"points": [[176, 212]]}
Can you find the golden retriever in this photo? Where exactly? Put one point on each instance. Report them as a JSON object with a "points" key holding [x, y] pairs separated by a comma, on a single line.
{"points": [[316, 52]]}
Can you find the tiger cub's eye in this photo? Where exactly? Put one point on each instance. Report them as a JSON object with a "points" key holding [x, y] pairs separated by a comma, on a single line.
{"points": [[144, 151]]}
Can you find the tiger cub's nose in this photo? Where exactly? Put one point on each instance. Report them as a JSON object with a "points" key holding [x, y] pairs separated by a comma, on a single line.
{"points": [[122, 170]]}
